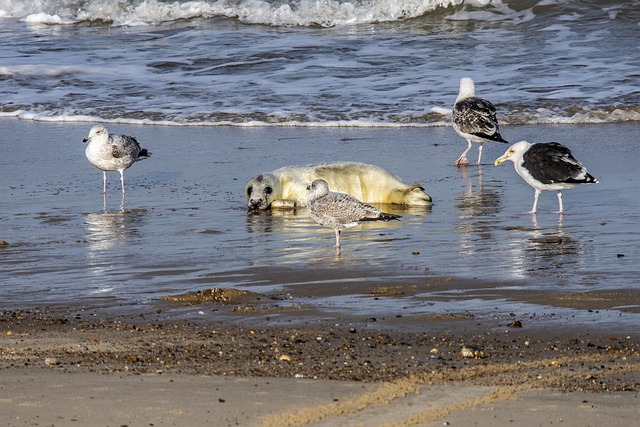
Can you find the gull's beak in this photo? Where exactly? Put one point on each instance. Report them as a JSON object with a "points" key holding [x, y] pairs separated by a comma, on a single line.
{"points": [[500, 159], [85, 140]]}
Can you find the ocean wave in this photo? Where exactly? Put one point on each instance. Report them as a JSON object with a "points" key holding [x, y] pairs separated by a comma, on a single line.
{"points": [[435, 117], [325, 13]]}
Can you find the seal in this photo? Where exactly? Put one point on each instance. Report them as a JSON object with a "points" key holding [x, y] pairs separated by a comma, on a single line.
{"points": [[286, 188]]}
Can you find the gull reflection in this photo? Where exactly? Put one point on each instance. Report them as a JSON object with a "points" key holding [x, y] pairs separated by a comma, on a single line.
{"points": [[296, 234], [106, 229], [104, 203], [107, 235], [477, 206], [543, 249], [550, 248], [299, 221]]}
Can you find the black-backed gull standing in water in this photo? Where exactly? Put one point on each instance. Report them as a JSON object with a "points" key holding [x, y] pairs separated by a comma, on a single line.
{"points": [[546, 166], [339, 210], [474, 119], [112, 152]]}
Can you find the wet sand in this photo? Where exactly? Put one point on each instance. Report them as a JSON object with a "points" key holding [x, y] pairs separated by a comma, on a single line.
{"points": [[112, 306], [62, 368]]}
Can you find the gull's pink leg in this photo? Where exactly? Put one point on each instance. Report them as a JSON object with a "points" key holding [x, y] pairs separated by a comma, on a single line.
{"points": [[462, 160]]}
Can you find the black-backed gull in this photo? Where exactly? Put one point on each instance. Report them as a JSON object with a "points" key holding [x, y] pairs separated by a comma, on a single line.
{"points": [[546, 166], [474, 119]]}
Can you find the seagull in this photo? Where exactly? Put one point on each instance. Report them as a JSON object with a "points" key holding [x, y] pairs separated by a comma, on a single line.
{"points": [[112, 153], [339, 210], [546, 166], [474, 119]]}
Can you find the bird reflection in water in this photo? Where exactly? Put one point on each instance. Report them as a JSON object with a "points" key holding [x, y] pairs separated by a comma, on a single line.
{"points": [[477, 206], [297, 220], [104, 203], [544, 250], [292, 229], [550, 247], [108, 229]]}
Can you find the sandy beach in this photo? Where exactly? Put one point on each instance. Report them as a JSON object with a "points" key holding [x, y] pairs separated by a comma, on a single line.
{"points": [[183, 309], [68, 368], [175, 305]]}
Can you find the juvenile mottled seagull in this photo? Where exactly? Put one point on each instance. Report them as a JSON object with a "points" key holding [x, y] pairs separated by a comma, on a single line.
{"points": [[474, 119], [340, 210], [546, 166], [112, 153]]}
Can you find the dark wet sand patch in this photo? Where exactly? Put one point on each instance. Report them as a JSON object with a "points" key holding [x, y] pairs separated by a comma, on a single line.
{"points": [[330, 349]]}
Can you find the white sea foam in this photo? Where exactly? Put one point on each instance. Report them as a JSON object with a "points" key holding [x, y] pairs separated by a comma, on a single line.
{"points": [[536, 116], [325, 13], [491, 10], [45, 18]]}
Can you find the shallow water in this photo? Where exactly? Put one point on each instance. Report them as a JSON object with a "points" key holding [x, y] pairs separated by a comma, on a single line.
{"points": [[185, 225]]}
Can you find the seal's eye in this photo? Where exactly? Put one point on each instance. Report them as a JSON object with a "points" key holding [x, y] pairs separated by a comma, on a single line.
{"points": [[249, 190], [268, 190]]}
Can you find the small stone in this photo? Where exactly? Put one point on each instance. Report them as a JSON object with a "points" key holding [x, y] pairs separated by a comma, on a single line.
{"points": [[284, 358], [471, 352], [516, 324], [50, 361]]}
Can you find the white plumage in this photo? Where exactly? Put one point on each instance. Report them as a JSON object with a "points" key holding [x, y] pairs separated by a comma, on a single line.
{"points": [[339, 210], [474, 119], [546, 166], [112, 153]]}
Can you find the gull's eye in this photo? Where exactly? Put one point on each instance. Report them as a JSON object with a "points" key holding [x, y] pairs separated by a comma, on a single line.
{"points": [[249, 190], [268, 190]]}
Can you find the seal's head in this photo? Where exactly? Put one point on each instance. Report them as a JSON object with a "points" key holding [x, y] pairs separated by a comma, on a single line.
{"points": [[261, 191]]}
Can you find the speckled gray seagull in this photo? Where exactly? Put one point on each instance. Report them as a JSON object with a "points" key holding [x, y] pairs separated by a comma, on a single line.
{"points": [[339, 210], [112, 152]]}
